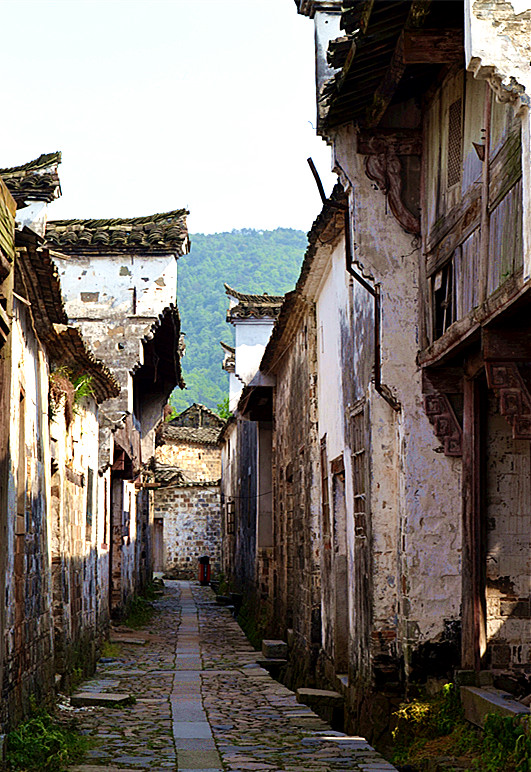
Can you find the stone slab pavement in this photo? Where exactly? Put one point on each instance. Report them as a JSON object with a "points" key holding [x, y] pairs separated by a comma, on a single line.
{"points": [[202, 703]]}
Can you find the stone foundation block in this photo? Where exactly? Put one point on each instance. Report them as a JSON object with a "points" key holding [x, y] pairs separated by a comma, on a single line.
{"points": [[478, 703], [100, 699], [275, 649]]}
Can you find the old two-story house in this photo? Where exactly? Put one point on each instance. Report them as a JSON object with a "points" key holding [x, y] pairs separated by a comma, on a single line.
{"points": [[119, 279], [187, 522], [53, 617], [425, 106]]}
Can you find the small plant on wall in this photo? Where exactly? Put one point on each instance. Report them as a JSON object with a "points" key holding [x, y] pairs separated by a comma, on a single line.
{"points": [[67, 391]]}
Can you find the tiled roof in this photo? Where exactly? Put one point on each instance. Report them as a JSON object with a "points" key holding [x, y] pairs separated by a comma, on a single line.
{"points": [[197, 416], [229, 360], [246, 297], [172, 476], [157, 233], [202, 435], [162, 351], [253, 306], [167, 475], [36, 180]]}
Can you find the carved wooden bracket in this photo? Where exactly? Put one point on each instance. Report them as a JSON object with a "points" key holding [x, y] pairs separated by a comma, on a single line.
{"points": [[447, 428], [514, 396], [384, 167]]}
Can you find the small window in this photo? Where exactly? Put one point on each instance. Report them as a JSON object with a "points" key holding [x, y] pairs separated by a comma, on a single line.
{"points": [[325, 498], [454, 143], [443, 299]]}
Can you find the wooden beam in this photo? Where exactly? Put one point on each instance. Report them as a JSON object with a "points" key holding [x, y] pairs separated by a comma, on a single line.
{"points": [[363, 13], [506, 345], [433, 46], [386, 90], [447, 380], [473, 637]]}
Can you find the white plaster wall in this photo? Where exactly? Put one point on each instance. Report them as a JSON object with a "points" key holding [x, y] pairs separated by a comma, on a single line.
{"points": [[114, 278], [326, 29], [251, 339], [331, 298], [429, 494]]}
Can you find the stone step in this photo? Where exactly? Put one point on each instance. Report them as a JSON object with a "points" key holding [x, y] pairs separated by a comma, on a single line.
{"points": [[101, 699], [320, 698], [274, 649], [128, 640]]}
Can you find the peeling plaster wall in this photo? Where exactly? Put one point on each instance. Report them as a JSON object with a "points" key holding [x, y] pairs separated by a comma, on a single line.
{"points": [[427, 491], [78, 546], [116, 286], [29, 664]]}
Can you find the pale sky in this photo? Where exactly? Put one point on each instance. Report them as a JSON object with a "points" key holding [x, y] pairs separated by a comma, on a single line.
{"points": [[163, 104]]}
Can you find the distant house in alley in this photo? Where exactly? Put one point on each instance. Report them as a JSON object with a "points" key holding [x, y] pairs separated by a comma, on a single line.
{"points": [[246, 452], [119, 280], [187, 494]]}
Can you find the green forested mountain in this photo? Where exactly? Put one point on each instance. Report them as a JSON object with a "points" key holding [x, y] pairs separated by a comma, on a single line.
{"points": [[247, 260]]}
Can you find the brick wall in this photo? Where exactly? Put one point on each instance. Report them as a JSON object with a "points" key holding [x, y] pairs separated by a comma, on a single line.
{"points": [[199, 462], [508, 544], [191, 527]]}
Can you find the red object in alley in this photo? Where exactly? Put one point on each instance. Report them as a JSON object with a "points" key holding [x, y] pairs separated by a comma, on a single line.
{"points": [[204, 570]]}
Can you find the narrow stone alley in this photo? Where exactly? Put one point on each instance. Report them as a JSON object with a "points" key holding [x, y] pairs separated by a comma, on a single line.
{"points": [[202, 702]]}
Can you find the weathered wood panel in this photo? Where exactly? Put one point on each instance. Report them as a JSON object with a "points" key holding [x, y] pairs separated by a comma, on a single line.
{"points": [[506, 168], [505, 238]]}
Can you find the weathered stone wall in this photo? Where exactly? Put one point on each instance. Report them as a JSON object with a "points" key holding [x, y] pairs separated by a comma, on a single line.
{"points": [[296, 601], [78, 546], [199, 462], [191, 518], [29, 664]]}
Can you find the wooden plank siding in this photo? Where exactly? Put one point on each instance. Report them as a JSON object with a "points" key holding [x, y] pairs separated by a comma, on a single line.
{"points": [[453, 240]]}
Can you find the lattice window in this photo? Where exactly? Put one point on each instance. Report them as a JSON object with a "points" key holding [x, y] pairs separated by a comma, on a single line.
{"points": [[454, 143], [230, 511], [358, 471]]}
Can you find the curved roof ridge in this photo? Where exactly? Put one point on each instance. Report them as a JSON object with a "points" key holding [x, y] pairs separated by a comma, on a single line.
{"points": [[42, 162], [252, 297], [108, 222]]}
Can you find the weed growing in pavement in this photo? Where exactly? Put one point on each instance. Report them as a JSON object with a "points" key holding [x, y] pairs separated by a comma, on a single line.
{"points": [[139, 613], [43, 744], [109, 649], [253, 624]]}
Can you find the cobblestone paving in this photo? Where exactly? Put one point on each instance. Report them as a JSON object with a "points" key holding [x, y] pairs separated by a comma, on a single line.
{"points": [[202, 703]]}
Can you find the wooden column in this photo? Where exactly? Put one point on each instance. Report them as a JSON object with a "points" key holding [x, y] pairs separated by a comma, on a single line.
{"points": [[473, 590]]}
